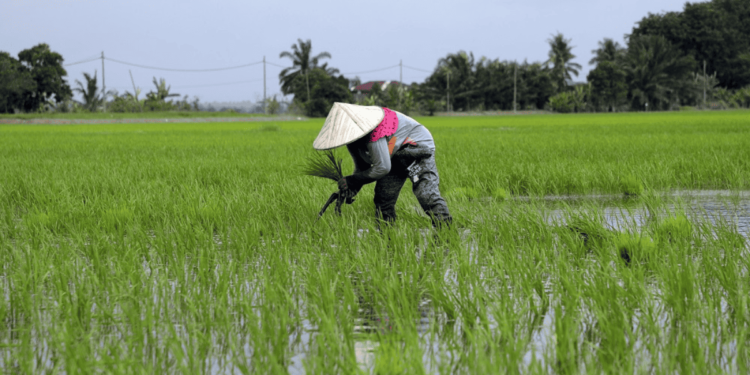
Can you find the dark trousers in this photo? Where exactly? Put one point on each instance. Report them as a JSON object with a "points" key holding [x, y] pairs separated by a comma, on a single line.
{"points": [[425, 189]]}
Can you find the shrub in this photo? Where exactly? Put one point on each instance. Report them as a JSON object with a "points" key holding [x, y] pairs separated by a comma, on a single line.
{"points": [[562, 103]]}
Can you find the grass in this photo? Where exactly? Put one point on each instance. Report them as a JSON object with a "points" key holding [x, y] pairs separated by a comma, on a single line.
{"points": [[113, 115], [182, 248]]}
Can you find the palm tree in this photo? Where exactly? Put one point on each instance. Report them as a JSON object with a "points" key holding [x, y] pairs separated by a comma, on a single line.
{"points": [[454, 80], [91, 98], [560, 57], [656, 70], [162, 91], [608, 50], [302, 63]]}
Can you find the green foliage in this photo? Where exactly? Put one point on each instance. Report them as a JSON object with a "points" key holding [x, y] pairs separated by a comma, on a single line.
{"points": [[657, 73], [16, 84], [714, 31], [560, 57], [326, 90], [570, 101], [92, 100], [562, 102], [272, 106], [608, 86], [47, 71], [33, 81], [486, 84], [315, 87]]}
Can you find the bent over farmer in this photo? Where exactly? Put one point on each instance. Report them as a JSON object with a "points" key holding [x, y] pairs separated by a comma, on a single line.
{"points": [[387, 148]]}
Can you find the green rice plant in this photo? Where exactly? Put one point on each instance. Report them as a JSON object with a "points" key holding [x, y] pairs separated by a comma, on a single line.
{"points": [[636, 249], [324, 165], [590, 230], [269, 127], [631, 186], [164, 248], [500, 194], [463, 193], [115, 219], [674, 228]]}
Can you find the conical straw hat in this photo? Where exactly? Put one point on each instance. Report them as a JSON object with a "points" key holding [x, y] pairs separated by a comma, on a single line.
{"points": [[347, 123]]}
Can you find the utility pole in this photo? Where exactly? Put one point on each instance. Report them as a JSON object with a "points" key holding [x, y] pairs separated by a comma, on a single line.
{"points": [[448, 92], [264, 85], [401, 72], [515, 77], [104, 87], [704, 84], [400, 80]]}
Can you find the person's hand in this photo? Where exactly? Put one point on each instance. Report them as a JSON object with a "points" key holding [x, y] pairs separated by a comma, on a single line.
{"points": [[343, 185], [349, 189]]}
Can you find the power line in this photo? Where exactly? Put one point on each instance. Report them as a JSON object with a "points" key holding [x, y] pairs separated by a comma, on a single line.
{"points": [[82, 61], [374, 70], [184, 70], [280, 66], [421, 70], [218, 84]]}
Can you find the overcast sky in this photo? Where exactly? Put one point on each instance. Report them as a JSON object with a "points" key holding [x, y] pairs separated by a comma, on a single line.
{"points": [[361, 36]]}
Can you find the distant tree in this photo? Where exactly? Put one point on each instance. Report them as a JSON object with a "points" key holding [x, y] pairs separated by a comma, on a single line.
{"points": [[272, 106], [608, 50], [716, 32], [608, 86], [354, 82], [535, 85], [162, 91], [92, 100], [326, 90], [560, 57], [16, 84], [656, 72], [453, 80], [47, 71], [302, 63]]}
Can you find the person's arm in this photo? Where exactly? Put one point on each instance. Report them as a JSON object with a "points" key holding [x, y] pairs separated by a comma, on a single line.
{"points": [[381, 166], [359, 163], [381, 162]]}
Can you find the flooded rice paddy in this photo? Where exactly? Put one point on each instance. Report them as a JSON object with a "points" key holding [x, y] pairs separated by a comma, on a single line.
{"points": [[464, 304]]}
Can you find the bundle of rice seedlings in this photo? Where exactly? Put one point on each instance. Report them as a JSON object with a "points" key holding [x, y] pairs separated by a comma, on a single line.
{"points": [[325, 165]]}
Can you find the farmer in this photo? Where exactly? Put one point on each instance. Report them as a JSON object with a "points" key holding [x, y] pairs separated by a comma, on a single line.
{"points": [[387, 147]]}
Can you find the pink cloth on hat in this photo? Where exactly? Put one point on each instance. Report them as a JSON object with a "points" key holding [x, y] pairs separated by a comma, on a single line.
{"points": [[387, 127]]}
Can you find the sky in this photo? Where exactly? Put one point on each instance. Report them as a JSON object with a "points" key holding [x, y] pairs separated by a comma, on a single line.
{"points": [[360, 36]]}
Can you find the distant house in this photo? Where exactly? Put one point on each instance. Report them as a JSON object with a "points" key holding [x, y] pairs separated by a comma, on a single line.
{"points": [[363, 90]]}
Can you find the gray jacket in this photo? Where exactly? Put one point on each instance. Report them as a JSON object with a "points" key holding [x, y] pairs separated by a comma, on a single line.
{"points": [[372, 160]]}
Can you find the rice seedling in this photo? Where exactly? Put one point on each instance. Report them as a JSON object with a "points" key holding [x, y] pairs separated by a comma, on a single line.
{"points": [[164, 248]]}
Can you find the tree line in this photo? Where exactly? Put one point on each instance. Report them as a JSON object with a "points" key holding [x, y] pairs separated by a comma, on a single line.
{"points": [[696, 57], [34, 82]]}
